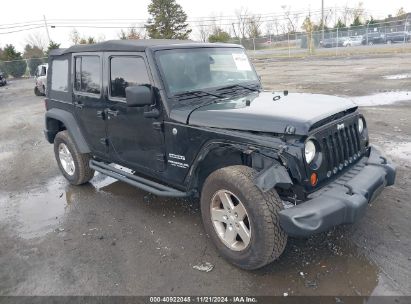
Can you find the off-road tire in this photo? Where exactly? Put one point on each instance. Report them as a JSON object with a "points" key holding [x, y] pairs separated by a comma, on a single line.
{"points": [[268, 240], [83, 173], [37, 91]]}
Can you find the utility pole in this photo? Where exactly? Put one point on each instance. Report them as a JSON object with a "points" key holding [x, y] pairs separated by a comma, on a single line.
{"points": [[322, 19], [47, 28]]}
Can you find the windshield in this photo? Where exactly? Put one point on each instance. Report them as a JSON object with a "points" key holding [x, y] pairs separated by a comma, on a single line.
{"points": [[204, 68]]}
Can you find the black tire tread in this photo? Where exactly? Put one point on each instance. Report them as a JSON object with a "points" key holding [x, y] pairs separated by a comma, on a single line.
{"points": [[85, 173], [269, 204], [273, 205]]}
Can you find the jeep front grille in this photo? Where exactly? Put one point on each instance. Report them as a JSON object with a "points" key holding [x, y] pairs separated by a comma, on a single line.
{"points": [[341, 148]]}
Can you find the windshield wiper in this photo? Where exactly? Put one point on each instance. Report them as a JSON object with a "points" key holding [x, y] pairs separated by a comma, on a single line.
{"points": [[233, 86], [197, 93]]}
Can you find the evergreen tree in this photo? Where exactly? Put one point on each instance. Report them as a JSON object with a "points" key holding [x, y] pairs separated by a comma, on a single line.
{"points": [[168, 20], [16, 65], [35, 55], [52, 45], [357, 21], [339, 24]]}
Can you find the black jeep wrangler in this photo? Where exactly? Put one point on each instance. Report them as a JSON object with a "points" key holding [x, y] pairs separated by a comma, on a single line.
{"points": [[191, 119]]}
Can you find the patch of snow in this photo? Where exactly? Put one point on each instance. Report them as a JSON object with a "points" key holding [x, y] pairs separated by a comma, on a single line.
{"points": [[381, 98], [399, 150], [397, 76], [4, 155]]}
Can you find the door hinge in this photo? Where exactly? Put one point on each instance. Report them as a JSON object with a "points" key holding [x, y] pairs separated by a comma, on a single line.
{"points": [[161, 161], [161, 157], [158, 126], [101, 114], [104, 141]]}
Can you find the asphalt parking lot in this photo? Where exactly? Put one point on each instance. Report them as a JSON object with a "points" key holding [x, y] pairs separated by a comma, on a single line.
{"points": [[107, 238]]}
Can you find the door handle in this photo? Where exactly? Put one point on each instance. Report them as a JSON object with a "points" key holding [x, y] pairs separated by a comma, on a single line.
{"points": [[78, 104], [112, 112]]}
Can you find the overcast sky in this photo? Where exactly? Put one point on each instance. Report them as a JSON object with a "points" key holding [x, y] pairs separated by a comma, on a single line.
{"points": [[11, 12]]}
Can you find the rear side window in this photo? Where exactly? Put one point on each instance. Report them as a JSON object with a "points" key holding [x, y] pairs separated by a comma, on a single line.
{"points": [[87, 77], [126, 72], [59, 76]]}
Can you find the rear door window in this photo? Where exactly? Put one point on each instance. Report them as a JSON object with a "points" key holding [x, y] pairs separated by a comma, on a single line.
{"points": [[87, 78], [59, 76]]}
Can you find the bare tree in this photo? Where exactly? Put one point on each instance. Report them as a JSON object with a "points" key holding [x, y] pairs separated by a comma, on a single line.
{"points": [[75, 36], [132, 33], [401, 12], [358, 13], [242, 15], [346, 14], [276, 24], [273, 26], [208, 26], [36, 39], [291, 25], [253, 26], [204, 32]]}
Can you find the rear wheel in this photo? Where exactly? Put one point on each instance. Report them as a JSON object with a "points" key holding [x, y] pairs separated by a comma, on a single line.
{"points": [[73, 164], [241, 220], [37, 91]]}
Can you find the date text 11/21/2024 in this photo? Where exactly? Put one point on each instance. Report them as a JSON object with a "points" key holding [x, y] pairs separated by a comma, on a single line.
{"points": [[204, 299]]}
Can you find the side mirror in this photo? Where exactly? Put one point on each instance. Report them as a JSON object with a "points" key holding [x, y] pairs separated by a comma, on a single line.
{"points": [[138, 96]]}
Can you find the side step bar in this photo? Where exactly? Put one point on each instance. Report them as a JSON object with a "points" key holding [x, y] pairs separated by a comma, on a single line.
{"points": [[137, 181]]}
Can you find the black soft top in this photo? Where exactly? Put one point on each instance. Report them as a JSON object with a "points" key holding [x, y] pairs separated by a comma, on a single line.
{"points": [[136, 45]]}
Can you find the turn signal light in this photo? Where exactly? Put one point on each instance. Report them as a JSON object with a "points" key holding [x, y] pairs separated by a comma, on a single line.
{"points": [[313, 179]]}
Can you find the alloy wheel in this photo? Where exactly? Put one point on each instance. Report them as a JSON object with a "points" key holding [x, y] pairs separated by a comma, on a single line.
{"points": [[66, 159], [230, 220]]}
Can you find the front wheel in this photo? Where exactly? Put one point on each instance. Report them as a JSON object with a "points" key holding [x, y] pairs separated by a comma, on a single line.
{"points": [[73, 164], [241, 220]]}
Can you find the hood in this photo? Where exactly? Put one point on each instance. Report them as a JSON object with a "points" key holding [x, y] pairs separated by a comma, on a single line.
{"points": [[263, 114]]}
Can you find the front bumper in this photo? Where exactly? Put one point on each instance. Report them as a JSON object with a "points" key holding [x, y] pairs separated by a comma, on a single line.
{"points": [[343, 201]]}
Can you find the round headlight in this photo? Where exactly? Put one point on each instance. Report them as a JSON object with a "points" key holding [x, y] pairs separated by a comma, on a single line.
{"points": [[360, 125], [309, 151]]}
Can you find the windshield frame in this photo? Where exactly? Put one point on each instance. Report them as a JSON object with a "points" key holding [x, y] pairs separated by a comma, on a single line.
{"points": [[172, 96]]}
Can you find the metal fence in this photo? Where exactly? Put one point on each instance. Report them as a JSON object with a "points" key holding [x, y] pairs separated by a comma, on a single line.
{"points": [[372, 37]]}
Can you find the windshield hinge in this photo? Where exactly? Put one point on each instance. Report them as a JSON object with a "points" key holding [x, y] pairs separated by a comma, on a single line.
{"points": [[158, 126]]}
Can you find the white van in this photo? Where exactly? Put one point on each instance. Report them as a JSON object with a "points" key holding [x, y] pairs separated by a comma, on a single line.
{"points": [[41, 80]]}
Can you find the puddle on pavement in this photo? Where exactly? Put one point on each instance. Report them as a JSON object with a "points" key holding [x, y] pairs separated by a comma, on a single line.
{"points": [[37, 212], [380, 99], [325, 264], [397, 76]]}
